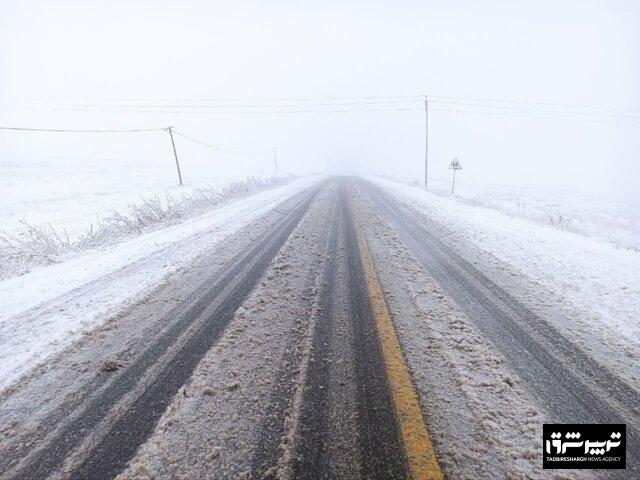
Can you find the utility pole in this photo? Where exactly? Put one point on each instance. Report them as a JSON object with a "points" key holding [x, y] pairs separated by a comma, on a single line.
{"points": [[175, 154], [275, 158], [426, 138]]}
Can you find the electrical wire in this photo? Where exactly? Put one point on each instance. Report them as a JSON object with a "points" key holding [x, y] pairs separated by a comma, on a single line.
{"points": [[563, 116], [215, 147], [254, 105], [526, 109], [547, 104], [332, 105], [236, 112], [60, 130], [230, 100], [485, 106], [399, 98], [535, 117]]}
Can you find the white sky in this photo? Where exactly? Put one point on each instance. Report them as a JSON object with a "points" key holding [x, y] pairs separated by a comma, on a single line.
{"points": [[568, 52]]}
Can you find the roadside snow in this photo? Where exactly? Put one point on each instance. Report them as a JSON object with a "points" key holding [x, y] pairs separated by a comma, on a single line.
{"points": [[602, 281], [70, 194], [614, 218], [44, 244], [48, 307]]}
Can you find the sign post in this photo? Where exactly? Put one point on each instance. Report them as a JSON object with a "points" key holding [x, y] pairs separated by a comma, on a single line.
{"points": [[454, 165]]}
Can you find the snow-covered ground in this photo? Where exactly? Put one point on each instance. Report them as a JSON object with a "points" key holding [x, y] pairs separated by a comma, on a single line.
{"points": [[71, 194], [51, 209], [592, 276], [46, 308], [614, 218]]}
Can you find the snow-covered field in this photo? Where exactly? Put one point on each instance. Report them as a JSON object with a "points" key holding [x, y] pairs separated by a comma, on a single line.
{"points": [[71, 194], [599, 281], [614, 218], [46, 308], [51, 208]]}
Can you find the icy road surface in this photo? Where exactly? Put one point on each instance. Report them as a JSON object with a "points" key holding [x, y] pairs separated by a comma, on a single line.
{"points": [[265, 356]]}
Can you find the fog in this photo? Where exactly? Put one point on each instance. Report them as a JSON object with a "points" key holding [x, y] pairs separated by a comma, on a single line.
{"points": [[133, 62]]}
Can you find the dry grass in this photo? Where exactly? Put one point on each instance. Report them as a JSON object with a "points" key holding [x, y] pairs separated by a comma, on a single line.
{"points": [[44, 245]]}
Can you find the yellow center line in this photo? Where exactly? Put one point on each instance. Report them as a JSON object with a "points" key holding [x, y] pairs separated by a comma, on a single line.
{"points": [[420, 453]]}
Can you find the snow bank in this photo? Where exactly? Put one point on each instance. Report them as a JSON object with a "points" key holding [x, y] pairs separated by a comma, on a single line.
{"points": [[602, 281], [35, 245], [45, 309], [614, 219], [70, 193]]}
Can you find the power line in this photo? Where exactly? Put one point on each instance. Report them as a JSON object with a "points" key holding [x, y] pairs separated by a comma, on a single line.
{"points": [[559, 115], [60, 130], [398, 98], [496, 107], [215, 147], [248, 105], [548, 104], [170, 130], [229, 100], [336, 105], [518, 108], [230, 111], [533, 117]]}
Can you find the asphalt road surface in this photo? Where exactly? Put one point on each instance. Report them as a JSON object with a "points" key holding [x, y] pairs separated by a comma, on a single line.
{"points": [[289, 351]]}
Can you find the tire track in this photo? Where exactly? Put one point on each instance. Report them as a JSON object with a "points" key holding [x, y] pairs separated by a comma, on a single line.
{"points": [[376, 448], [540, 355], [315, 409], [269, 448], [122, 430]]}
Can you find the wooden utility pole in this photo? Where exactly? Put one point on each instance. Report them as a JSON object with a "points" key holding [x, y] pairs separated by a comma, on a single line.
{"points": [[426, 138], [275, 158], [175, 154]]}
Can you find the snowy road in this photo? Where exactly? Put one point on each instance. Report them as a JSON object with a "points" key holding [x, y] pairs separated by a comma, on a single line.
{"points": [[335, 336], [574, 387]]}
